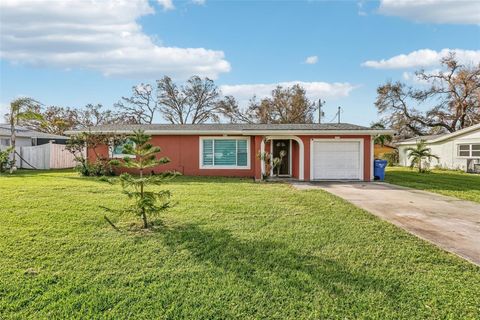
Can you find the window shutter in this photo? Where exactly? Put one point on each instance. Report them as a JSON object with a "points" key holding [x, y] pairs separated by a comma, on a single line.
{"points": [[207, 156], [242, 153], [225, 152]]}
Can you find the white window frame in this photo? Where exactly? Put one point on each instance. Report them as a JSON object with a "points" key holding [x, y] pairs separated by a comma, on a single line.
{"points": [[111, 147], [362, 163], [200, 158], [470, 145]]}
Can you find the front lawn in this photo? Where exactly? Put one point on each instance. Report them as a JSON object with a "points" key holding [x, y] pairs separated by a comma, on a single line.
{"points": [[450, 183], [231, 248]]}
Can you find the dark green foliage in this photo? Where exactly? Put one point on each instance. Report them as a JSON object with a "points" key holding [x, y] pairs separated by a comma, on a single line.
{"points": [[391, 157], [5, 159], [144, 156]]}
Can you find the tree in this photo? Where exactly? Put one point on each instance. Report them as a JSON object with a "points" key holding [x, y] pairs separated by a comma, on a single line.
{"points": [[141, 107], [21, 110], [145, 202], [286, 105], [93, 115], [418, 154], [451, 96], [79, 143], [381, 139], [194, 102], [55, 120]]}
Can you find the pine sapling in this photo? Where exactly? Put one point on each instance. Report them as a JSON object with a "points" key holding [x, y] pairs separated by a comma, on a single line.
{"points": [[142, 155]]}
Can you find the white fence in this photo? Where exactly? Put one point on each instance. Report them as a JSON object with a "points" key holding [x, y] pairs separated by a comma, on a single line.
{"points": [[45, 156]]}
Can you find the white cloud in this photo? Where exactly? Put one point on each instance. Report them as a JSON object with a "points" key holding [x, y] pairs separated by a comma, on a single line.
{"points": [[4, 109], [315, 90], [435, 11], [98, 35], [166, 4], [423, 58], [311, 60]]}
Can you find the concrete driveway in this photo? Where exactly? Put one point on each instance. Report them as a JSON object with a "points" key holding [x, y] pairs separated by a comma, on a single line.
{"points": [[450, 223]]}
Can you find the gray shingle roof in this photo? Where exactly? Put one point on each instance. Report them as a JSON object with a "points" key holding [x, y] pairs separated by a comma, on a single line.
{"points": [[426, 138], [27, 133], [224, 127]]}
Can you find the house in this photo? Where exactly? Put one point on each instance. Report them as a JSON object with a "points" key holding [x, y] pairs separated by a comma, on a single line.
{"points": [[26, 137], [456, 150], [379, 150], [37, 150], [312, 151]]}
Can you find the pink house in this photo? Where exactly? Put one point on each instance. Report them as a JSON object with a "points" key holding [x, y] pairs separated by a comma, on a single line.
{"points": [[312, 151]]}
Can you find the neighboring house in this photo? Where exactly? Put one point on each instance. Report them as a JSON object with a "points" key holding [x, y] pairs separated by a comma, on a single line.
{"points": [[26, 137], [37, 150], [379, 150], [457, 150], [313, 151]]}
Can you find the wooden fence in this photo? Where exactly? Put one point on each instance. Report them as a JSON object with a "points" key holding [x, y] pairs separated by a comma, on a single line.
{"points": [[45, 156]]}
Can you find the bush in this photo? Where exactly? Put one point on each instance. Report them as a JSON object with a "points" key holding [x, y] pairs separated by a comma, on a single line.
{"points": [[391, 157]]}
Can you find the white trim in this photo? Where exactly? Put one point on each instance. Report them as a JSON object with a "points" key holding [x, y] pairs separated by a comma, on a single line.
{"points": [[262, 161], [372, 157], [301, 153], [443, 137], [111, 146], [457, 145], [360, 140], [213, 167]]}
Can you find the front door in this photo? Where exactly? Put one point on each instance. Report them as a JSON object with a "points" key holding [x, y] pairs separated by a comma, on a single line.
{"points": [[277, 147]]}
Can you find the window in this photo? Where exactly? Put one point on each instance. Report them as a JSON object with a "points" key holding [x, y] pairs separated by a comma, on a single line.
{"points": [[4, 142], [469, 150], [224, 153], [116, 150]]}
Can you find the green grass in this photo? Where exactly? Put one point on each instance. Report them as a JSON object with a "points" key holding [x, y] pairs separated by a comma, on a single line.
{"points": [[450, 183], [230, 248]]}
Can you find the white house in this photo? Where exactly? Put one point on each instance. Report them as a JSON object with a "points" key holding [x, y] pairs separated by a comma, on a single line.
{"points": [[26, 137], [457, 150]]}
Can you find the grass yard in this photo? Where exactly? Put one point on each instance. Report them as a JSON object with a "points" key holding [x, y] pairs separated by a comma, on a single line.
{"points": [[450, 183], [230, 248]]}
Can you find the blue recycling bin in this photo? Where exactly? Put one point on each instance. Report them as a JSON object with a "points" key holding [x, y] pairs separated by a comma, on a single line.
{"points": [[379, 169]]}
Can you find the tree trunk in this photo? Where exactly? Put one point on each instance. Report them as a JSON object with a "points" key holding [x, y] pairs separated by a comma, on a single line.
{"points": [[420, 165], [13, 138], [144, 215]]}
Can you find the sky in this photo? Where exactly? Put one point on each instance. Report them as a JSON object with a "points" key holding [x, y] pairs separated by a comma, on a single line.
{"points": [[71, 53]]}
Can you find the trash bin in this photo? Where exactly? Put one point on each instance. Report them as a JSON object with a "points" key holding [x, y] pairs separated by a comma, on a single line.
{"points": [[379, 169]]}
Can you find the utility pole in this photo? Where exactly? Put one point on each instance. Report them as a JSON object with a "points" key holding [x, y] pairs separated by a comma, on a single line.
{"points": [[338, 113], [320, 113]]}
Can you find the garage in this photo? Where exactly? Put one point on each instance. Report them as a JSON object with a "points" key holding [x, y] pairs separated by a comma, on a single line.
{"points": [[337, 160]]}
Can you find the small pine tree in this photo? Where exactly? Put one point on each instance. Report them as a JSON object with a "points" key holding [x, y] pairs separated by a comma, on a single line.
{"points": [[146, 203]]}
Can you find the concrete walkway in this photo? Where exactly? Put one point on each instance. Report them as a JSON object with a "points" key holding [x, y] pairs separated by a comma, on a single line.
{"points": [[450, 223]]}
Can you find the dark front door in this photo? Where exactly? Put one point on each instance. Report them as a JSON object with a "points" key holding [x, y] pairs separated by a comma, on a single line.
{"points": [[278, 147]]}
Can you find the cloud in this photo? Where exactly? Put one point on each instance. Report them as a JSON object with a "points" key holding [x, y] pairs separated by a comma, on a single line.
{"points": [[423, 58], [97, 35], [435, 11], [311, 60], [166, 4], [315, 90], [199, 2], [4, 109]]}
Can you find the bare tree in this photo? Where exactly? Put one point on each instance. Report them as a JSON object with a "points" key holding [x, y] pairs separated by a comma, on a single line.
{"points": [[194, 102], [94, 115], [141, 107], [286, 105], [452, 98]]}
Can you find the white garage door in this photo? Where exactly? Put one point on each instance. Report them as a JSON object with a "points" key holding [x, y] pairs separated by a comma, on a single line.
{"points": [[335, 160]]}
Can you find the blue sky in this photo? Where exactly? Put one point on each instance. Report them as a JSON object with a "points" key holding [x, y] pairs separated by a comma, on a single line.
{"points": [[81, 52]]}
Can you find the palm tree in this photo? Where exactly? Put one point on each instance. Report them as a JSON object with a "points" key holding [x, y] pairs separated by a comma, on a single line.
{"points": [[419, 153], [21, 109]]}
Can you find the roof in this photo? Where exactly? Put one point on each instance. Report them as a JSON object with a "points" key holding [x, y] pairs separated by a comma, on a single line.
{"points": [[232, 128], [27, 133], [441, 137]]}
